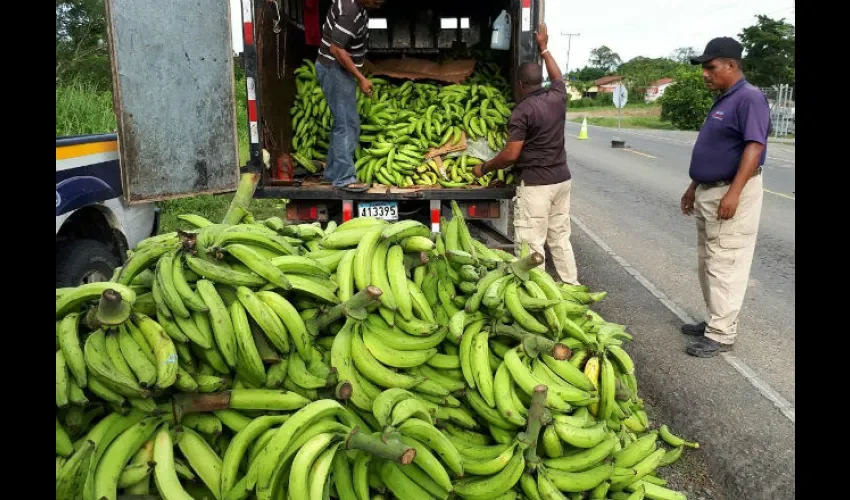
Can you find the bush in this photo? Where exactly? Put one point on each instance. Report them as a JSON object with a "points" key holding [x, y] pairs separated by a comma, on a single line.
{"points": [[605, 99], [686, 102], [601, 100], [581, 103]]}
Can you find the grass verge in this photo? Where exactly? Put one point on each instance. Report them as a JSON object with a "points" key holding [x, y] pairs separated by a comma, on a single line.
{"points": [[213, 207], [82, 108]]}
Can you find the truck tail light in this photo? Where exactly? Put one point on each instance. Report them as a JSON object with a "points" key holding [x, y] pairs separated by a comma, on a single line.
{"points": [[483, 210], [347, 210], [306, 212]]}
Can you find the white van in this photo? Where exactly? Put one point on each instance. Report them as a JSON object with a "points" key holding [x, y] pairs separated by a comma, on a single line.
{"points": [[94, 225]]}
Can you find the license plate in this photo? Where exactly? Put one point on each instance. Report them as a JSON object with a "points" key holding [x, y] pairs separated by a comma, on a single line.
{"points": [[387, 210]]}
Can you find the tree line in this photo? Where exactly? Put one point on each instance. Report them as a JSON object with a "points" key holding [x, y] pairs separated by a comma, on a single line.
{"points": [[82, 55]]}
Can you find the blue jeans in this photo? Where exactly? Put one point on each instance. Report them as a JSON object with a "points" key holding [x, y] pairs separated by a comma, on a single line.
{"points": [[340, 89]]}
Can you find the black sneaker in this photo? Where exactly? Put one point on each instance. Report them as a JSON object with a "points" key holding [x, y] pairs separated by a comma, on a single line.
{"points": [[697, 330], [704, 347]]}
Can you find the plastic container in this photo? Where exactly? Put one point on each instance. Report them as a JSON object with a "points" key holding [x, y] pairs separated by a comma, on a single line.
{"points": [[500, 39]]}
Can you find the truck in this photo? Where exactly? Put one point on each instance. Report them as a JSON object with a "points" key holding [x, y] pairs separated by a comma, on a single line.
{"points": [[173, 81], [94, 226]]}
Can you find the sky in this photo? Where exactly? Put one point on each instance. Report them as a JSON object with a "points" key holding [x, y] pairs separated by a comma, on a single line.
{"points": [[650, 28]]}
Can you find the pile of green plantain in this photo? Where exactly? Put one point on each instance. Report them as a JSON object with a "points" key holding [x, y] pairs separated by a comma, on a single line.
{"points": [[259, 359]]}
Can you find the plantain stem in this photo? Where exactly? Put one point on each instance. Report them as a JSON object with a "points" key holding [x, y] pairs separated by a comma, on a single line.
{"points": [[534, 344], [355, 308], [242, 198], [390, 449], [110, 302], [185, 402], [537, 418], [343, 390], [523, 265], [112, 310]]}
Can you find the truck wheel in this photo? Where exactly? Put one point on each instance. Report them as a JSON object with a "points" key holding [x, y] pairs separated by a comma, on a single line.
{"points": [[84, 261]]}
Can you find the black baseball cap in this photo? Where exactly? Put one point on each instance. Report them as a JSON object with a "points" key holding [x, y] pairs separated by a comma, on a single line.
{"points": [[720, 47]]}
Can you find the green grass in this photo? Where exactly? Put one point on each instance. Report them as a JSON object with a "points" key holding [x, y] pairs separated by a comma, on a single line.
{"points": [[629, 105], [242, 117], [652, 122], [83, 109], [213, 207]]}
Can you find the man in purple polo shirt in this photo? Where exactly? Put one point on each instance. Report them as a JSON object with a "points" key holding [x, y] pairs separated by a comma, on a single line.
{"points": [[726, 193]]}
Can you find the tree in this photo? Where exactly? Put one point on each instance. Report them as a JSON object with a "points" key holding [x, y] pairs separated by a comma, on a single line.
{"points": [[587, 74], [684, 54], [686, 102], [604, 58], [81, 45], [641, 71], [769, 47]]}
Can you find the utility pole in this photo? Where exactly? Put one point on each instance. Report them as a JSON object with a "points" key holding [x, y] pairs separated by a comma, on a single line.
{"points": [[569, 43]]}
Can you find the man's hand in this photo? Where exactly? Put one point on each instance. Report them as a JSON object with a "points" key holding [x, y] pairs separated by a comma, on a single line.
{"points": [[478, 170], [688, 201], [728, 205], [542, 37], [366, 86]]}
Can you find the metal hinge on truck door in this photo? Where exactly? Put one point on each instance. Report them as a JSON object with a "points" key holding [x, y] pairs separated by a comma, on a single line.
{"points": [[276, 29]]}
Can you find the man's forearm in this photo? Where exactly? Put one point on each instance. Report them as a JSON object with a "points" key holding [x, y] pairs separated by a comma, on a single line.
{"points": [[552, 68], [747, 167], [342, 57]]}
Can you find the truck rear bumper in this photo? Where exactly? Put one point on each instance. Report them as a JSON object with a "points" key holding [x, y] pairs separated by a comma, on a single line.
{"points": [[315, 191]]}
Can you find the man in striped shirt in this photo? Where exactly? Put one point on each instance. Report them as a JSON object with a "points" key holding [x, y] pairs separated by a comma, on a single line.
{"points": [[341, 55]]}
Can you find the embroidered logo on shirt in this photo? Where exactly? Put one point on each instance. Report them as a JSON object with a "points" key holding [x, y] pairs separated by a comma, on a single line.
{"points": [[718, 115]]}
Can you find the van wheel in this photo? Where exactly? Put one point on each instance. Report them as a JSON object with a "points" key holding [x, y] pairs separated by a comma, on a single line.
{"points": [[84, 261]]}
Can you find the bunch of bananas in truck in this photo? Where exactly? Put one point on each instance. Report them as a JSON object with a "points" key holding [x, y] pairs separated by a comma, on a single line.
{"points": [[401, 127]]}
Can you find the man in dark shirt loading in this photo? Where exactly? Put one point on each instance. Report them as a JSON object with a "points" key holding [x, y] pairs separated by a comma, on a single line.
{"points": [[535, 148], [345, 34]]}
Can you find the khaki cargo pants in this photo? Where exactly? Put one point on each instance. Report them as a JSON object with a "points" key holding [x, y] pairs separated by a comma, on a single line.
{"points": [[725, 249], [542, 216]]}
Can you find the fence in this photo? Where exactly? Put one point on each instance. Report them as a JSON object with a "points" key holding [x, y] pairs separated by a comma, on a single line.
{"points": [[782, 109]]}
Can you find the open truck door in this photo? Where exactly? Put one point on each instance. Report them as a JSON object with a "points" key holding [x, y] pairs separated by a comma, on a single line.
{"points": [[172, 73]]}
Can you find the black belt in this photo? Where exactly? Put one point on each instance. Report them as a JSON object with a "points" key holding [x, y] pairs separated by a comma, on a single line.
{"points": [[725, 182]]}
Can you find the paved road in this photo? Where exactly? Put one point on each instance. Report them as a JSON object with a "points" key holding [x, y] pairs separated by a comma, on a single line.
{"points": [[626, 203]]}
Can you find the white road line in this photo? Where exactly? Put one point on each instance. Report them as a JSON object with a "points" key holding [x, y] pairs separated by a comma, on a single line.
{"points": [[768, 392], [788, 196]]}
